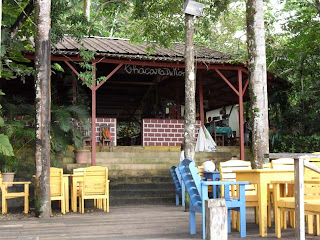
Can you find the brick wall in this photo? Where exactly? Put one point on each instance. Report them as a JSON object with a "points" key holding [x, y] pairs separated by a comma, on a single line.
{"points": [[164, 132], [113, 129]]}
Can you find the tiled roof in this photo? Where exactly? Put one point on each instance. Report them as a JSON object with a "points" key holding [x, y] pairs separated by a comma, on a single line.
{"points": [[124, 49]]}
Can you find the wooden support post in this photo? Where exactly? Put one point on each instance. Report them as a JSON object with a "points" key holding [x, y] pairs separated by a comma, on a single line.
{"points": [[178, 99], [216, 219], [299, 198], [241, 127], [74, 89], [93, 118], [201, 98]]}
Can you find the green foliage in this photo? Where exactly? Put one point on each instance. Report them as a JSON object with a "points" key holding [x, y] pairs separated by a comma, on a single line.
{"points": [[5, 146], [294, 144], [294, 54]]}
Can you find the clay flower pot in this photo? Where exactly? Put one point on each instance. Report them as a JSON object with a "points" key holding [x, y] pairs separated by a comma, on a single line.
{"points": [[8, 177], [82, 155]]}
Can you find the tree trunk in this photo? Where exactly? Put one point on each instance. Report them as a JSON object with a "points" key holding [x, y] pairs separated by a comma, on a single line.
{"points": [[258, 81], [86, 8], [190, 86], [43, 105]]}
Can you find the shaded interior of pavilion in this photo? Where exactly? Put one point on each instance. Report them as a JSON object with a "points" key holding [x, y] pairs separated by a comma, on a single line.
{"points": [[133, 93]]}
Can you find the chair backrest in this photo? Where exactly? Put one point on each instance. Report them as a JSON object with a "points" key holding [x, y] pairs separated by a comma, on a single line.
{"points": [[95, 180], [56, 182], [308, 173], [78, 171], [283, 164], [227, 167], [175, 177], [192, 181], [312, 191]]}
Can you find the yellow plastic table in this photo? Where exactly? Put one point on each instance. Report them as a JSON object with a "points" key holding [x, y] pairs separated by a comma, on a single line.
{"points": [[263, 177]]}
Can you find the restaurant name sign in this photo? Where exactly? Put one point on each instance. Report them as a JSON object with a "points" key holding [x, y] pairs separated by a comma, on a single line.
{"points": [[133, 69]]}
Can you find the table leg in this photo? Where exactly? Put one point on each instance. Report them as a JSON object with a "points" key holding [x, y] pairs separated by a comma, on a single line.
{"points": [[66, 194], [262, 193], [74, 195]]}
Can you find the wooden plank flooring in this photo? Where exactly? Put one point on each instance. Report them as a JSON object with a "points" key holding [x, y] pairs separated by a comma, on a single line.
{"points": [[123, 222]]}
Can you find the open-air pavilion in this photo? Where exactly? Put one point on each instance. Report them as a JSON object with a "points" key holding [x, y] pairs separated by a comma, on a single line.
{"points": [[139, 86]]}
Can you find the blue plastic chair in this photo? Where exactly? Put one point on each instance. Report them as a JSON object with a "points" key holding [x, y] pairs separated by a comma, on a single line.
{"points": [[179, 185], [198, 193]]}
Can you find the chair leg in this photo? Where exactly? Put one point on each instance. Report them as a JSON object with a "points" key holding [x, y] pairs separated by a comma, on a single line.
{"points": [[238, 221], [192, 216], [234, 219], [63, 206], [310, 224], [177, 199], [82, 205], [256, 215], [107, 204], [316, 227], [229, 221], [243, 229], [104, 204], [277, 221], [269, 214], [3, 202], [26, 198]]}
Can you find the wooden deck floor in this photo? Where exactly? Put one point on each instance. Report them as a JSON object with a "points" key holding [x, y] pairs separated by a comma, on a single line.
{"points": [[123, 222]]}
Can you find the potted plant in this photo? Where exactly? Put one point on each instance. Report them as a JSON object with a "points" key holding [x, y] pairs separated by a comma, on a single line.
{"points": [[9, 167]]}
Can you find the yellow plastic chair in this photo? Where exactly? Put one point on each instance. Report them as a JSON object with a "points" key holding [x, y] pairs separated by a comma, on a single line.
{"points": [[311, 201], [57, 187], [226, 174], [10, 195], [95, 185], [282, 164]]}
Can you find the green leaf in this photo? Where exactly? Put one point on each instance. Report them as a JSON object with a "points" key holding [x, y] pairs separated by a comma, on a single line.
{"points": [[17, 56], [1, 122], [5, 146]]}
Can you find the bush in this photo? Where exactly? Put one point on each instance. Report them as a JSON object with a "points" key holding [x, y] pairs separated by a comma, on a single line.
{"points": [[294, 144]]}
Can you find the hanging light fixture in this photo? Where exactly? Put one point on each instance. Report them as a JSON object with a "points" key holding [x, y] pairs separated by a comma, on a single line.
{"points": [[193, 8]]}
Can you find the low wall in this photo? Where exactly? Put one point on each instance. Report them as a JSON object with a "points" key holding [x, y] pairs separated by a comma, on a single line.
{"points": [[112, 122], [164, 132]]}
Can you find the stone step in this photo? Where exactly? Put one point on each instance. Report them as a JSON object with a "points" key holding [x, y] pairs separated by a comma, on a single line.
{"points": [[129, 166], [115, 174], [142, 193], [115, 201], [141, 180], [142, 186]]}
